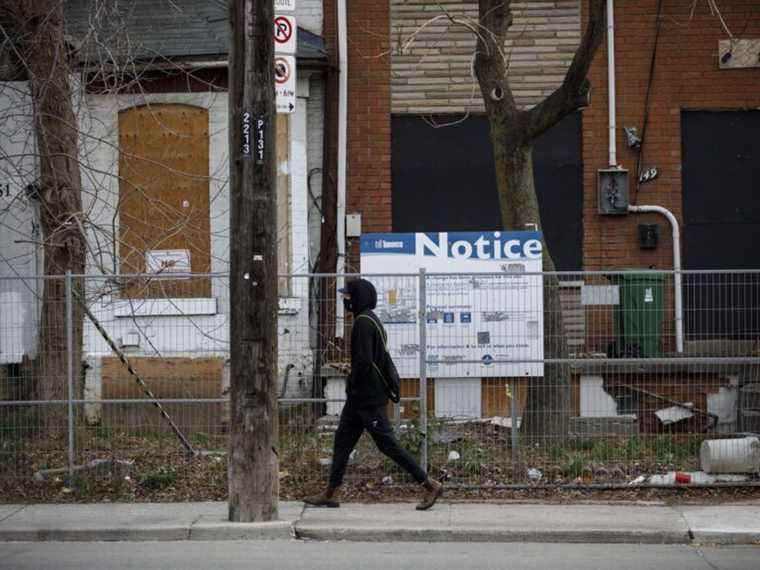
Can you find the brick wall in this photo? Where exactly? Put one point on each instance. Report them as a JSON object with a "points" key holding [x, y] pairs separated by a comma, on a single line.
{"points": [[686, 76], [368, 183], [432, 73]]}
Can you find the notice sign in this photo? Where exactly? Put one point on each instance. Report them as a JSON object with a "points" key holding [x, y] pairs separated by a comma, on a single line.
{"points": [[483, 314], [168, 261], [285, 83]]}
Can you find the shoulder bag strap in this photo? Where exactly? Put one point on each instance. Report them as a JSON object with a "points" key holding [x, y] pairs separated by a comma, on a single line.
{"points": [[382, 336]]}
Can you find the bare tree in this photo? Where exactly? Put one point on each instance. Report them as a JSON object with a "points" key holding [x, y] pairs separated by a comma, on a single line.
{"points": [[40, 46], [48, 159], [512, 134], [66, 72]]}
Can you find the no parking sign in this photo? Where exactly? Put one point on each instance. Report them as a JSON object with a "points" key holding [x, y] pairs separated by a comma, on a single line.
{"points": [[285, 30], [285, 34]]}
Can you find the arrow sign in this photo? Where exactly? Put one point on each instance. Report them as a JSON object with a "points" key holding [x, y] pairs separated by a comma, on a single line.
{"points": [[285, 83], [285, 34]]}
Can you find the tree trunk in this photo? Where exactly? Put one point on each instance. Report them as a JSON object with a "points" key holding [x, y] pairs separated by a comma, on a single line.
{"points": [[546, 416], [253, 464], [43, 48], [512, 133], [547, 409]]}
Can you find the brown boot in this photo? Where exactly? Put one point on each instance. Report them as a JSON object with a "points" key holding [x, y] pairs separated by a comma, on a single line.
{"points": [[433, 490], [323, 499]]}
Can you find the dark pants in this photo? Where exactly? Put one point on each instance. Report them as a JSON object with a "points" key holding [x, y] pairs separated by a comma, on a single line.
{"points": [[352, 423]]}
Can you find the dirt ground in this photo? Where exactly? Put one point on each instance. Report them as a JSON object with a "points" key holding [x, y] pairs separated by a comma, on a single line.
{"points": [[155, 470]]}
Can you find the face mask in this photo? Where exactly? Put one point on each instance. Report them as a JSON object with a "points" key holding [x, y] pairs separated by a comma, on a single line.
{"points": [[347, 304]]}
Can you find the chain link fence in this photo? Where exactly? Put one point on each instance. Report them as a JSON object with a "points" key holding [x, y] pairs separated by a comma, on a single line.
{"points": [[511, 379]]}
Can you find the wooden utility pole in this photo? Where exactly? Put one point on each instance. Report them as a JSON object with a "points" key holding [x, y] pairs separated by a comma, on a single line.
{"points": [[253, 464]]}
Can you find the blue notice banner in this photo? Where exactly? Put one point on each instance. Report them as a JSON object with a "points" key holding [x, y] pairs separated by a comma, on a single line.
{"points": [[477, 246], [387, 244]]}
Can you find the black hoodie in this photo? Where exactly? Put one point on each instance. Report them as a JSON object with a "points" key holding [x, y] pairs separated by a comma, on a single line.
{"points": [[364, 388]]}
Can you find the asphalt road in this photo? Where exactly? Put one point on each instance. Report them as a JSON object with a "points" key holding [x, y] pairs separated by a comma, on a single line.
{"points": [[298, 555]]}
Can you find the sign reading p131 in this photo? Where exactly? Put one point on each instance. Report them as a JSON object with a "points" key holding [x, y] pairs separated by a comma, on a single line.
{"points": [[484, 300]]}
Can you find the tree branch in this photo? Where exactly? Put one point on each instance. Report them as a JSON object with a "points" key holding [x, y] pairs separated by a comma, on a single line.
{"points": [[563, 100], [495, 17]]}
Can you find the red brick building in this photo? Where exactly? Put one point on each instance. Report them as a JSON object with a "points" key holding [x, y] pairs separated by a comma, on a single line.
{"points": [[687, 85], [696, 108], [685, 79]]}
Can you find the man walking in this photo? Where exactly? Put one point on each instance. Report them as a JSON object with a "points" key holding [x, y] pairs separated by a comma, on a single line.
{"points": [[365, 407]]}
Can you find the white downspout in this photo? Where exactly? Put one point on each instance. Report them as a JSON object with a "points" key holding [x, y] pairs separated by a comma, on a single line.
{"points": [[676, 266], [340, 217], [611, 81]]}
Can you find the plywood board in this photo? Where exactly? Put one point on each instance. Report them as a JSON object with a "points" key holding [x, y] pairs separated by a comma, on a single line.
{"points": [[496, 397], [164, 194], [166, 377]]}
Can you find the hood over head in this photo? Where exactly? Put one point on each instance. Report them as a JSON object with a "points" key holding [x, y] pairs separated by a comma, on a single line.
{"points": [[363, 295]]}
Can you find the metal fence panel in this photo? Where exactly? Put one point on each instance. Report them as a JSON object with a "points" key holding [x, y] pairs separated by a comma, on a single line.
{"points": [[510, 379]]}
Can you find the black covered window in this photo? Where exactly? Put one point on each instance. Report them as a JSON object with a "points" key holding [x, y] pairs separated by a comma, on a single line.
{"points": [[443, 180], [721, 211]]}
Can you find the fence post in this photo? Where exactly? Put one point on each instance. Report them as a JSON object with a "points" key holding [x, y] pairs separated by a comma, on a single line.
{"points": [[423, 369], [513, 426], [70, 369]]}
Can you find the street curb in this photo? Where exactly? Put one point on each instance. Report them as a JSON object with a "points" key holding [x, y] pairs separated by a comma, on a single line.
{"points": [[132, 534], [285, 530], [725, 537], [278, 530], [488, 535]]}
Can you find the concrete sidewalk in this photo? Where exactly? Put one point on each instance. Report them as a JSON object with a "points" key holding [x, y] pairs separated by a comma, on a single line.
{"points": [[468, 522]]}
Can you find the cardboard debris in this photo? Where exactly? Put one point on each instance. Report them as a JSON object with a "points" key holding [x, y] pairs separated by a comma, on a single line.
{"points": [[674, 414]]}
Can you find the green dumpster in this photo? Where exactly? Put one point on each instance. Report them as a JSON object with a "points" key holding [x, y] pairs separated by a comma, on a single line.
{"points": [[638, 316]]}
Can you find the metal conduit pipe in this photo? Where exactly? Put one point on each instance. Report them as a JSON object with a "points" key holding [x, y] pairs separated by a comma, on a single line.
{"points": [[678, 290], [611, 82], [340, 218]]}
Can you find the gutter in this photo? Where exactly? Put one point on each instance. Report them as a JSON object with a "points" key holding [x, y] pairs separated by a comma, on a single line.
{"points": [[340, 218]]}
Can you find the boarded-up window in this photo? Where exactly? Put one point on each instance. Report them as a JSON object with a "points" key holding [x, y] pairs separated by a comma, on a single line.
{"points": [[164, 219]]}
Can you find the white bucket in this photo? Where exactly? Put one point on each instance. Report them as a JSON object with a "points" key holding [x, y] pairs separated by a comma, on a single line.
{"points": [[730, 455]]}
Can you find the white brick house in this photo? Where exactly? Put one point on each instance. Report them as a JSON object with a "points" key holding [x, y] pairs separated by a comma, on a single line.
{"points": [[191, 325]]}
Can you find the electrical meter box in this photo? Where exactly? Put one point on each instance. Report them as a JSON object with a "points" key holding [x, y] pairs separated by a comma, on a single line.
{"points": [[613, 191]]}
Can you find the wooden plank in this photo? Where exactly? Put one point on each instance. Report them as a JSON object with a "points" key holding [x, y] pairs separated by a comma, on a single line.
{"points": [[575, 396], [494, 398], [166, 377], [164, 194], [284, 245], [410, 388], [573, 314]]}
